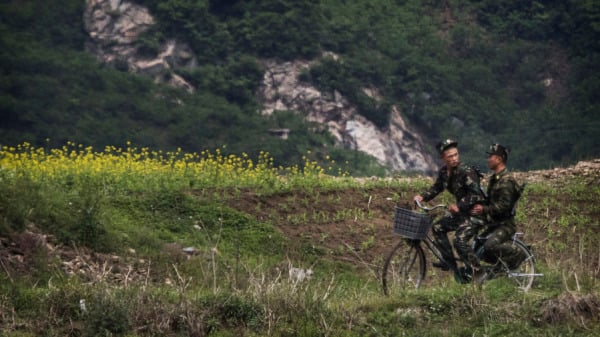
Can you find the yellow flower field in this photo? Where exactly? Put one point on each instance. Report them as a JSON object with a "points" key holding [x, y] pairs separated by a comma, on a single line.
{"points": [[140, 168]]}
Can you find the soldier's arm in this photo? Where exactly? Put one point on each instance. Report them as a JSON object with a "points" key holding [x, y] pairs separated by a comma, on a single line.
{"points": [[473, 195], [435, 189], [502, 204]]}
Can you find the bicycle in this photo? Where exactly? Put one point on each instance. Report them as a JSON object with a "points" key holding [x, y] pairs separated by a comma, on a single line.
{"points": [[405, 266]]}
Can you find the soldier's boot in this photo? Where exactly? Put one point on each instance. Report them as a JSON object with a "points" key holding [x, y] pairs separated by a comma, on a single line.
{"points": [[515, 260], [439, 264]]}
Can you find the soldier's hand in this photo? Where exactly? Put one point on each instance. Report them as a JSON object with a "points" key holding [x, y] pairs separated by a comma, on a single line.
{"points": [[453, 208], [477, 209]]}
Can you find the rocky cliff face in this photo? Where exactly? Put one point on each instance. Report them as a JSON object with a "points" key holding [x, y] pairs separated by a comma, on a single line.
{"points": [[397, 146], [114, 26]]}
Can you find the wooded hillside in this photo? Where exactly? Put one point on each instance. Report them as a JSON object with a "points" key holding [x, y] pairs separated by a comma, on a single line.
{"points": [[521, 73]]}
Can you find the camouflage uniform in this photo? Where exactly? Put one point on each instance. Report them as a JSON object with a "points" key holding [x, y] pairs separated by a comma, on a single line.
{"points": [[503, 192], [463, 183]]}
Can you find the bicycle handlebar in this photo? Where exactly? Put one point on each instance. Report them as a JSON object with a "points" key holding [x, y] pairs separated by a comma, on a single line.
{"points": [[428, 209]]}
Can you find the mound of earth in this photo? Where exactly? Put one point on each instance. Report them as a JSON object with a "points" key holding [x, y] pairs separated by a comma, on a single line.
{"points": [[362, 239], [588, 170]]}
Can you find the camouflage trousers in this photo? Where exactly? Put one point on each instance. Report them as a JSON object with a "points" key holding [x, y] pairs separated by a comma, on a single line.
{"points": [[466, 228], [499, 246]]}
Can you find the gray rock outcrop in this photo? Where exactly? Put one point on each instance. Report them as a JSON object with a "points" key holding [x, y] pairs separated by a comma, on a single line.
{"points": [[397, 146], [114, 27]]}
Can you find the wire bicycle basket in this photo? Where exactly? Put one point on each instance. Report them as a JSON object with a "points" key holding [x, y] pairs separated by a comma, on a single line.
{"points": [[411, 224]]}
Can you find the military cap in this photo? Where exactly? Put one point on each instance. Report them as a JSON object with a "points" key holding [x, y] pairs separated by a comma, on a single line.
{"points": [[446, 144], [499, 150]]}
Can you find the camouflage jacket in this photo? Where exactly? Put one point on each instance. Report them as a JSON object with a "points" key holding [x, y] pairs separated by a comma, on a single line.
{"points": [[503, 191], [463, 183]]}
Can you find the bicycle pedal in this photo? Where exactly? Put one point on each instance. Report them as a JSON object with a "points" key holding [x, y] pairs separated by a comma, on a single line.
{"points": [[480, 276], [462, 276]]}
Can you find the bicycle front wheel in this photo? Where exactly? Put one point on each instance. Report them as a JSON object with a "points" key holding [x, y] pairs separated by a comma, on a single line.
{"points": [[404, 268]]}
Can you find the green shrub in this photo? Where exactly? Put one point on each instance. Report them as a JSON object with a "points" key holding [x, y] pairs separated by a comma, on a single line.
{"points": [[107, 315], [225, 311], [19, 198], [75, 214]]}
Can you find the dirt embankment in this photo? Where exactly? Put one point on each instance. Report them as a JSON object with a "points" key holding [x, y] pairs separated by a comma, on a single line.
{"points": [[352, 225], [588, 170]]}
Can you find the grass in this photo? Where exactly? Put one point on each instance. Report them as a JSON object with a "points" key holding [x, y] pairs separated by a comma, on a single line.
{"points": [[127, 215]]}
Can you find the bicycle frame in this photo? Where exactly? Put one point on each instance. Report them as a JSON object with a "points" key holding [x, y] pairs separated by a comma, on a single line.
{"points": [[430, 243], [433, 248]]}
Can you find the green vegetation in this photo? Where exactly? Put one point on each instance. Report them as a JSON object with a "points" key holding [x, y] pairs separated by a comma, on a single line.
{"points": [[481, 71], [92, 244]]}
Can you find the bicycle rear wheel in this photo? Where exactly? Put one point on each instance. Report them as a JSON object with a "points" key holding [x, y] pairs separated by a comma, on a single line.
{"points": [[404, 268], [524, 274]]}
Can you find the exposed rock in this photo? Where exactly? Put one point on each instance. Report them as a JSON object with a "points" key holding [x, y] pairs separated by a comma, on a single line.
{"points": [[397, 147], [114, 27]]}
